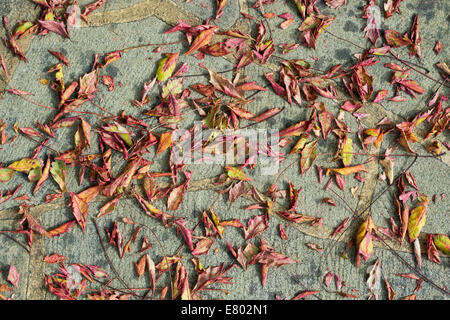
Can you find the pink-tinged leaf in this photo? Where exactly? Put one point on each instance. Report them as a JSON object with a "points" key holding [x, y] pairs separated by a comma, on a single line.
{"points": [[304, 294], [60, 57], [414, 48], [224, 85], [296, 130], [166, 66], [395, 39], [53, 196], [315, 246], [269, 15], [397, 99], [186, 232], [16, 49], [202, 39], [54, 258], [283, 234], [326, 123], [286, 24], [151, 272], [182, 70], [364, 241], [380, 96], [247, 16], [268, 257], [329, 201], [408, 275], [176, 196], [391, 7], [308, 155], [418, 253], [340, 228], [327, 279], [13, 276], [92, 7], [236, 190], [56, 27], [79, 209], [380, 51], [217, 50], [202, 246], [442, 243], [220, 5], [255, 226], [181, 288], [432, 252], [286, 16], [390, 290], [279, 90], [24, 28], [109, 82], [109, 207], [319, 173], [350, 106], [58, 172]]}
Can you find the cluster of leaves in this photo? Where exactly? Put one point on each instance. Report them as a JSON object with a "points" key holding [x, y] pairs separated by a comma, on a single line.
{"points": [[221, 104]]}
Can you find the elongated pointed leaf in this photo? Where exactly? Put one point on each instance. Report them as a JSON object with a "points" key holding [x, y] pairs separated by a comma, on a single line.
{"points": [[58, 172], [308, 155]]}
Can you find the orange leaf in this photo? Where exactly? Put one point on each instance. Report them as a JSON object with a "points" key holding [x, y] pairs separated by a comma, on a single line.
{"points": [[348, 170], [202, 39]]}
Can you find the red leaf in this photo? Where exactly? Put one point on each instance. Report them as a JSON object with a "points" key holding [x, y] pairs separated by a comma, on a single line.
{"points": [[186, 232], [13, 276], [54, 258], [109, 82], [60, 56], [79, 209], [255, 226], [304, 294]]}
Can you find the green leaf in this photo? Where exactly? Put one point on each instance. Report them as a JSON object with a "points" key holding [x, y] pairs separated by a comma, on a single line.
{"points": [[309, 154], [25, 165], [442, 242], [347, 151], [58, 172], [364, 241], [417, 220], [236, 173], [166, 66], [6, 174]]}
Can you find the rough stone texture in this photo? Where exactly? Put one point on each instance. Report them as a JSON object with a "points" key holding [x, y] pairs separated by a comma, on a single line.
{"points": [[125, 23]]}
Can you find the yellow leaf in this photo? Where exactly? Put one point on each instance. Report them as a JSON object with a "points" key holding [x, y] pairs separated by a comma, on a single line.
{"points": [[348, 170], [364, 242]]}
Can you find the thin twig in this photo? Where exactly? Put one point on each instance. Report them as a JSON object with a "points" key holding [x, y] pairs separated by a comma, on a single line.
{"points": [[18, 242], [109, 260], [411, 267]]}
